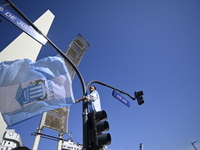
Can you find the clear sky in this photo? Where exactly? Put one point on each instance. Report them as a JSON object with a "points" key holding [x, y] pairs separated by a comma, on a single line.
{"points": [[152, 46]]}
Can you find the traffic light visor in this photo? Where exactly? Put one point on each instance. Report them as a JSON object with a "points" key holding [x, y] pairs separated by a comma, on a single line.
{"points": [[102, 126], [104, 139], [101, 115], [139, 93]]}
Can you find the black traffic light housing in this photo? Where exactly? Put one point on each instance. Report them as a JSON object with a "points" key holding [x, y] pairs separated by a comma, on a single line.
{"points": [[97, 125], [138, 96], [141, 146]]}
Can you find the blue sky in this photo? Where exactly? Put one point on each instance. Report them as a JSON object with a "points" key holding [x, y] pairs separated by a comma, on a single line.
{"points": [[152, 46]]}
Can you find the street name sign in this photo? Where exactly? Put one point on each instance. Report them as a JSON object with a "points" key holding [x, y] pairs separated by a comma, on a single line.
{"points": [[22, 25], [120, 98]]}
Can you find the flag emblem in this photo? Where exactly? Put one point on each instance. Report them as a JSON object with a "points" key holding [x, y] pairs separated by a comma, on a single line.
{"points": [[35, 92]]}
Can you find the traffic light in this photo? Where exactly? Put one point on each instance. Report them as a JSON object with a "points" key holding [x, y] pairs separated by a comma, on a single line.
{"points": [[141, 146], [98, 125], [138, 96]]}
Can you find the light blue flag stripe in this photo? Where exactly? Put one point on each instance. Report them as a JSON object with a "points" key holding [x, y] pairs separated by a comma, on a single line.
{"points": [[31, 88]]}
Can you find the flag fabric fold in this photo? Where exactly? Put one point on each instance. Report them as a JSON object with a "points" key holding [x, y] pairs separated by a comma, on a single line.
{"points": [[30, 88]]}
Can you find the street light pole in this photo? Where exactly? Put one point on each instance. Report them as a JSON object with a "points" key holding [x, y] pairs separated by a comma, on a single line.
{"points": [[193, 145], [85, 136]]}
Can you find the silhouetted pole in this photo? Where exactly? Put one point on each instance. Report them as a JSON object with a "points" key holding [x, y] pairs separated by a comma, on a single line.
{"points": [[193, 145], [85, 140]]}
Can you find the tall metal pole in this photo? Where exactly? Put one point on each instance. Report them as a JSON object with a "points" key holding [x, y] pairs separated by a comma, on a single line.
{"points": [[193, 145], [84, 107]]}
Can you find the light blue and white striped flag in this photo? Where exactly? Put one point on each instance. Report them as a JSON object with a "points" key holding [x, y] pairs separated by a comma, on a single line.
{"points": [[31, 88]]}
